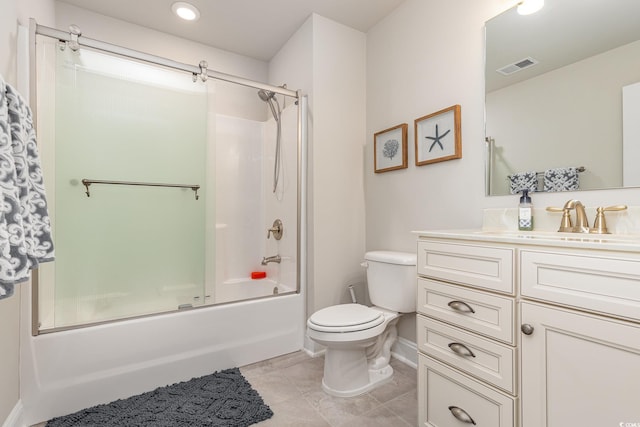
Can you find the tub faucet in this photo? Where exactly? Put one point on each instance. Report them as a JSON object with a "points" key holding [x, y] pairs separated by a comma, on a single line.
{"points": [[268, 259]]}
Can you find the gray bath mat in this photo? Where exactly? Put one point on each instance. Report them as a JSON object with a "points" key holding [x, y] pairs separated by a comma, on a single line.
{"points": [[222, 399]]}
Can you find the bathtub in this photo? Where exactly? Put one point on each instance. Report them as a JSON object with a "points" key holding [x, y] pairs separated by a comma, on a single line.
{"points": [[66, 371], [243, 289]]}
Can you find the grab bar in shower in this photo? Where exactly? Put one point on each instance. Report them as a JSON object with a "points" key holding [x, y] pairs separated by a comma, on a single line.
{"points": [[88, 182]]}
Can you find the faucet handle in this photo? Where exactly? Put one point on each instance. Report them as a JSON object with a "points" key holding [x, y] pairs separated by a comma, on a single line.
{"points": [[276, 229], [565, 222], [614, 208], [599, 224], [555, 209]]}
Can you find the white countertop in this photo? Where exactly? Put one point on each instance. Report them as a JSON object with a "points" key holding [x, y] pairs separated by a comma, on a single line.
{"points": [[608, 242]]}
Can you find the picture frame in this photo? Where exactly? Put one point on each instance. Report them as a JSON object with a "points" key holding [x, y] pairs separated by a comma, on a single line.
{"points": [[390, 149], [438, 136]]}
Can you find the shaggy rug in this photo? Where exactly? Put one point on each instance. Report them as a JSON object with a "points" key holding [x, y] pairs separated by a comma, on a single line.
{"points": [[222, 399]]}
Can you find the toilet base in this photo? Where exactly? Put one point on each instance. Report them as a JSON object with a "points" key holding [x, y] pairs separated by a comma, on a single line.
{"points": [[377, 377]]}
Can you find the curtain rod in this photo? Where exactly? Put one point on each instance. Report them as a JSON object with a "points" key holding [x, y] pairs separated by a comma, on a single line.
{"points": [[158, 60]]}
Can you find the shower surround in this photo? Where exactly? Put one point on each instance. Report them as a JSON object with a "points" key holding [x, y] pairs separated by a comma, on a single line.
{"points": [[70, 367]]}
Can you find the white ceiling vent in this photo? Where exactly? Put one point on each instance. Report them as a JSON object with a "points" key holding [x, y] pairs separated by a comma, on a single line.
{"points": [[517, 66]]}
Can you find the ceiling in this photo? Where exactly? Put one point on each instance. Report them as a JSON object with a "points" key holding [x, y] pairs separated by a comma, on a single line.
{"points": [[254, 28]]}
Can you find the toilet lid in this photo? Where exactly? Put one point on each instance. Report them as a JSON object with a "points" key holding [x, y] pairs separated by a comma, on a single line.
{"points": [[345, 318]]}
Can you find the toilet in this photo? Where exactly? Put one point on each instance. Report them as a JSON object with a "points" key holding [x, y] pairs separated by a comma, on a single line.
{"points": [[359, 338]]}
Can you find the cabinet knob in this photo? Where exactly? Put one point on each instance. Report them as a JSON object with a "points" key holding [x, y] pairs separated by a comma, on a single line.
{"points": [[526, 329], [461, 306], [461, 349], [461, 415]]}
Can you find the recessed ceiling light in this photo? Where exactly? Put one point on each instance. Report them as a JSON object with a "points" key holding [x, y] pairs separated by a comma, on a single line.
{"points": [[186, 11], [527, 7]]}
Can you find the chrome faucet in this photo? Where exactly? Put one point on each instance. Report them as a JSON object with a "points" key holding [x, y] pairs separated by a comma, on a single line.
{"points": [[268, 259]]}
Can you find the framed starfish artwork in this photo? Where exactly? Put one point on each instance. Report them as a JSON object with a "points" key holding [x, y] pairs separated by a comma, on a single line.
{"points": [[438, 136], [390, 149]]}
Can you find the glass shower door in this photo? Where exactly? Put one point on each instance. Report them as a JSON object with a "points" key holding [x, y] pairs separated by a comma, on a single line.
{"points": [[127, 250]]}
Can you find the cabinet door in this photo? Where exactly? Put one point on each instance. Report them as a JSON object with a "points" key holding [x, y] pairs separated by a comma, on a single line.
{"points": [[578, 369]]}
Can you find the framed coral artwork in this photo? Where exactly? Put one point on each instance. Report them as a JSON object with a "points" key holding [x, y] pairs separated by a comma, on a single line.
{"points": [[390, 149], [438, 136]]}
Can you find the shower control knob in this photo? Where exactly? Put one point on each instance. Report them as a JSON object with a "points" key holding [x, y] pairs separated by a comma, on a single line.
{"points": [[526, 329], [276, 229]]}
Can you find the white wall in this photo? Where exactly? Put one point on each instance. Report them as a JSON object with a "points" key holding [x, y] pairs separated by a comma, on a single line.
{"points": [[8, 35], [428, 55], [327, 61], [13, 12], [10, 307], [339, 108]]}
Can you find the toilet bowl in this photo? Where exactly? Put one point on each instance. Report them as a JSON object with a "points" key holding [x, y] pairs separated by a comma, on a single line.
{"points": [[349, 331], [358, 338]]}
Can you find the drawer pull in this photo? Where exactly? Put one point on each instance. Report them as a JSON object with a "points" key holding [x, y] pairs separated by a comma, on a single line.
{"points": [[526, 329], [461, 306], [461, 349], [461, 415]]}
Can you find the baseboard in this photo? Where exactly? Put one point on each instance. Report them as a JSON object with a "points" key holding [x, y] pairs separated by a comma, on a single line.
{"points": [[15, 417], [406, 352], [312, 348]]}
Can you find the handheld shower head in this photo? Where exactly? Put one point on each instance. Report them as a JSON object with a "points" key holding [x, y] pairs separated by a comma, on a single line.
{"points": [[265, 96], [269, 98]]}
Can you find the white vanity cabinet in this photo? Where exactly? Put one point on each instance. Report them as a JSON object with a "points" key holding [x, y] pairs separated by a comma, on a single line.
{"points": [[466, 334], [527, 332], [580, 345]]}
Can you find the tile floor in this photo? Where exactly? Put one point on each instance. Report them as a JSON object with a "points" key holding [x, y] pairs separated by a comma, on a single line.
{"points": [[291, 386]]}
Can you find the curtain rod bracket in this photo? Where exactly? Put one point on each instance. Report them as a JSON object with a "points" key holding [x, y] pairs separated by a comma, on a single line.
{"points": [[74, 35], [203, 70]]}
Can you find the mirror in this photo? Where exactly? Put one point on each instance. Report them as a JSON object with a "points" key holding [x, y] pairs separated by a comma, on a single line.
{"points": [[563, 91]]}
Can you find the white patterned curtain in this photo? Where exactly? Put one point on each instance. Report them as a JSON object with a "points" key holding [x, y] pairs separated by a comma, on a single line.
{"points": [[25, 228]]}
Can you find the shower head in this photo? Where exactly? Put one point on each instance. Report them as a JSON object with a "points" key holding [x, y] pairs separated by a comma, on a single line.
{"points": [[265, 96], [269, 98]]}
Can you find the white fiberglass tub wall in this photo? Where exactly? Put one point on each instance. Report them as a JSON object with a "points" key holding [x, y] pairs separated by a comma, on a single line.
{"points": [[67, 371], [246, 205]]}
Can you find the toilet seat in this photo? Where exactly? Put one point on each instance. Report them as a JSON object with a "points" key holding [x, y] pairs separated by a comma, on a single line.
{"points": [[345, 318]]}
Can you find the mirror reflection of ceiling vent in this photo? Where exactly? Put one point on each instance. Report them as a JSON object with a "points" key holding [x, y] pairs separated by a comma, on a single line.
{"points": [[517, 66]]}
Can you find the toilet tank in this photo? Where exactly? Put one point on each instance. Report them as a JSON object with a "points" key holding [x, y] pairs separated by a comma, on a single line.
{"points": [[391, 280]]}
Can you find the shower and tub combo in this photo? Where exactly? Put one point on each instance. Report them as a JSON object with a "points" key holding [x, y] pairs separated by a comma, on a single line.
{"points": [[177, 222]]}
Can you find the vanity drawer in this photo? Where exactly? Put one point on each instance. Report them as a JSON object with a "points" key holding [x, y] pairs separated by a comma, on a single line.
{"points": [[484, 359], [599, 283], [481, 312], [478, 266], [441, 388]]}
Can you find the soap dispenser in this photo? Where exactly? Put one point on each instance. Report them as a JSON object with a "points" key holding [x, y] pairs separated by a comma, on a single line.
{"points": [[525, 212]]}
